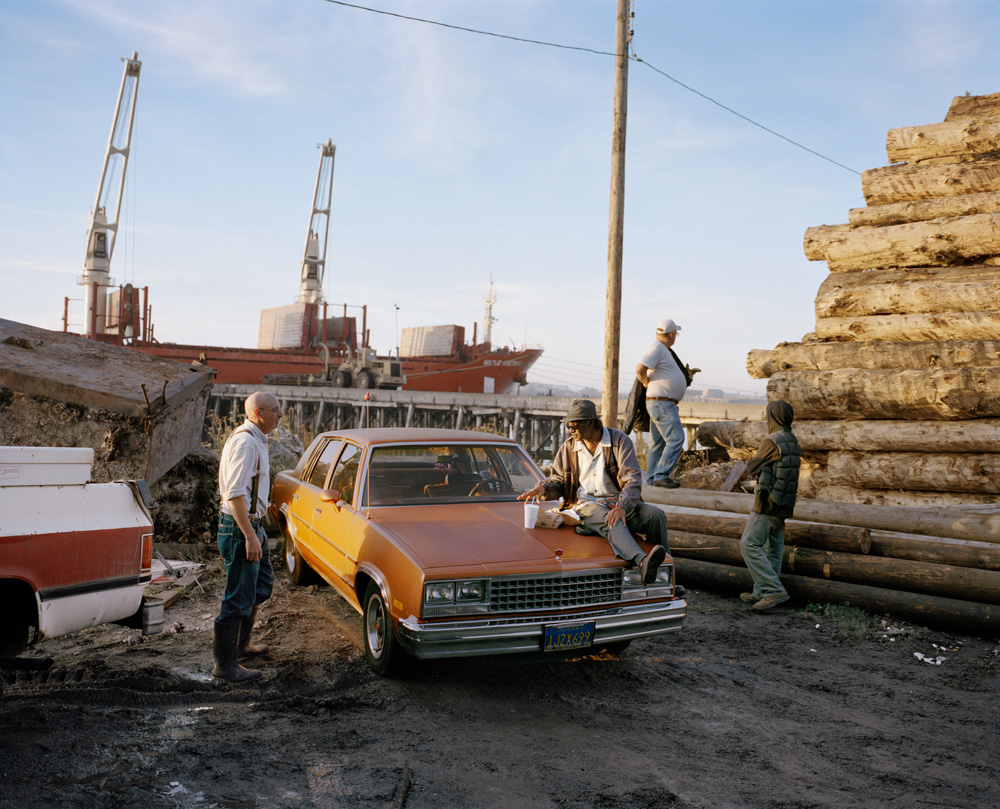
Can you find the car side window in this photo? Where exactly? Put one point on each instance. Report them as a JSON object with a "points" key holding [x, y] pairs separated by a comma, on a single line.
{"points": [[327, 456], [346, 472]]}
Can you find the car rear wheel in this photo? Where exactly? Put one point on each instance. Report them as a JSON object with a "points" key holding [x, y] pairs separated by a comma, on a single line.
{"points": [[383, 652], [298, 568]]}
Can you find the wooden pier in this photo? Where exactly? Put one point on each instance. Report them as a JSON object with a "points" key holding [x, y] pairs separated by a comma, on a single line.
{"points": [[534, 421]]}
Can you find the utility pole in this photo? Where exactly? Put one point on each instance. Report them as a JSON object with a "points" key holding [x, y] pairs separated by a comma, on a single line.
{"points": [[616, 220]]}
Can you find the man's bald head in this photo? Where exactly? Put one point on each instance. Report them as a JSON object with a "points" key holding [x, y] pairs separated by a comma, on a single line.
{"points": [[263, 409]]}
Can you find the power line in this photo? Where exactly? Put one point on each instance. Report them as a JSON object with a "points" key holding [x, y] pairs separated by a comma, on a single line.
{"points": [[632, 58], [740, 115], [469, 30]]}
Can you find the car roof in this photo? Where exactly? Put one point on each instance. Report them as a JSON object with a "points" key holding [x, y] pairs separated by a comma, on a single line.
{"points": [[418, 435]]}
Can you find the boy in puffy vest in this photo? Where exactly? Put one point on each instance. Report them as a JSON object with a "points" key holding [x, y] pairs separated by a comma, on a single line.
{"points": [[776, 465]]}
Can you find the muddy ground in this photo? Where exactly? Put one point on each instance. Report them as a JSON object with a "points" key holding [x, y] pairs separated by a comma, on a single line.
{"points": [[740, 709]]}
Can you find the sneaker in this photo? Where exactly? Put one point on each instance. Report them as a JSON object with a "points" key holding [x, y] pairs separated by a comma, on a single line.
{"points": [[770, 601], [749, 598], [665, 483]]}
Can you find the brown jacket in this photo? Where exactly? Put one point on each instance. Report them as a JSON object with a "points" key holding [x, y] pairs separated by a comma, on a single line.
{"points": [[619, 459]]}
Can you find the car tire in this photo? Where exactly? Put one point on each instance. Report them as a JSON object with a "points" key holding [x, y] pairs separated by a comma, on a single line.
{"points": [[365, 380], [382, 650], [299, 570], [342, 379]]}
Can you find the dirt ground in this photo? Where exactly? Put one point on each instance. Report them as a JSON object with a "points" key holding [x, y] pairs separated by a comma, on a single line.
{"points": [[739, 709]]}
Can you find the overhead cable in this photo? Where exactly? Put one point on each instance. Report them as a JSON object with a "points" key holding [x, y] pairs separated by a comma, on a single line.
{"points": [[631, 58]]}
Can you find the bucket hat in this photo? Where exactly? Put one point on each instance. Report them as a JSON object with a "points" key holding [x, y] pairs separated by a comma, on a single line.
{"points": [[581, 410]]}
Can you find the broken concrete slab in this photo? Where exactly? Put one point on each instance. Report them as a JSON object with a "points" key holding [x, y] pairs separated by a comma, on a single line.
{"points": [[140, 414]]}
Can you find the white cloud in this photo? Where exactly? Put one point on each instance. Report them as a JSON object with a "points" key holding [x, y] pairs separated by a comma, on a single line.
{"points": [[231, 45]]}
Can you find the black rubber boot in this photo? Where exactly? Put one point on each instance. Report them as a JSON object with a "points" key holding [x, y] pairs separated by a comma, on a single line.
{"points": [[246, 648], [227, 636]]}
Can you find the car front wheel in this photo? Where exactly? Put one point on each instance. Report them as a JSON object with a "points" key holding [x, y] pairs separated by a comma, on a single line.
{"points": [[383, 652], [298, 568]]}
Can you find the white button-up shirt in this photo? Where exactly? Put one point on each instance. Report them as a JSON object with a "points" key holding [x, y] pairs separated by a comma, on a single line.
{"points": [[245, 449], [594, 478]]}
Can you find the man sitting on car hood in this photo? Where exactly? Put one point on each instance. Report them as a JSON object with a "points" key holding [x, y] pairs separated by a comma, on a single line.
{"points": [[596, 471]]}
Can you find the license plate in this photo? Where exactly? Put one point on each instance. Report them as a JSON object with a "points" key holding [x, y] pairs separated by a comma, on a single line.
{"points": [[568, 636]]}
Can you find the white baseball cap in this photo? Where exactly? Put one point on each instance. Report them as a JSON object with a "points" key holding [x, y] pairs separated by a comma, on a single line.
{"points": [[667, 326]]}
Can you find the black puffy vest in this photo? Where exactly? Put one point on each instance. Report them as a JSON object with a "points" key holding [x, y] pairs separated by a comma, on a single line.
{"points": [[781, 479]]}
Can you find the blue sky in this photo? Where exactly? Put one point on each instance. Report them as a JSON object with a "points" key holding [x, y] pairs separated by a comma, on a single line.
{"points": [[461, 156]]}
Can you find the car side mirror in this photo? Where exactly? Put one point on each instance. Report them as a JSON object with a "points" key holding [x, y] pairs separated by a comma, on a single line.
{"points": [[330, 496]]}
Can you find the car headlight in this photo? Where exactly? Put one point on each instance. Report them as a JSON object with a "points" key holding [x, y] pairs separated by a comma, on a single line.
{"points": [[464, 597], [470, 591], [632, 580], [441, 592]]}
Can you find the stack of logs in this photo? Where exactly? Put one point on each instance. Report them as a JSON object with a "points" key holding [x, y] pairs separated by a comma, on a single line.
{"points": [[897, 393], [940, 578]]}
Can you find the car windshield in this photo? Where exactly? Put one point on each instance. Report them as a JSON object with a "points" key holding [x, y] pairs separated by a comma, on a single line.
{"points": [[412, 475]]}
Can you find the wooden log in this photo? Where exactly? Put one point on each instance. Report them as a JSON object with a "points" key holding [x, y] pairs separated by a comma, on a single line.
{"points": [[958, 137], [940, 242], [903, 292], [963, 326], [817, 240], [917, 471], [935, 393], [923, 210], [897, 497], [902, 183], [960, 553], [944, 581], [938, 550], [873, 355], [936, 522], [969, 106], [955, 615], [822, 536], [890, 435]]}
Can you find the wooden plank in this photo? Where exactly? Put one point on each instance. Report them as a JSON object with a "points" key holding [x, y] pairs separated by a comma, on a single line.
{"points": [[735, 476]]}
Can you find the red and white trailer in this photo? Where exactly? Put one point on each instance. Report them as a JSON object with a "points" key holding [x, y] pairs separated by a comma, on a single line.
{"points": [[73, 554]]}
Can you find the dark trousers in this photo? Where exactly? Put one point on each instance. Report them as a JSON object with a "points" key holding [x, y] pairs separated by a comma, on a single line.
{"points": [[247, 583]]}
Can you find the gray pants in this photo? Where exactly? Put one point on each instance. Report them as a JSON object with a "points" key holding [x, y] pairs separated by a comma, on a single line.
{"points": [[762, 546], [640, 519]]}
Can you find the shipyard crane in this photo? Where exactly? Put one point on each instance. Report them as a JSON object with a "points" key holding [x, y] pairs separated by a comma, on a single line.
{"points": [[314, 256], [102, 231], [488, 320]]}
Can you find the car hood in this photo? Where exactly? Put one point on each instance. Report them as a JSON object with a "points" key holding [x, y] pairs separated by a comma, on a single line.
{"points": [[487, 534]]}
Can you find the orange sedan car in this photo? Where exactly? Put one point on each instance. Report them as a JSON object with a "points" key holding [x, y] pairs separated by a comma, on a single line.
{"points": [[420, 530]]}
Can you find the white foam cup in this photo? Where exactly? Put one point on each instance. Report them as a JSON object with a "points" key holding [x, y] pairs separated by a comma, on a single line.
{"points": [[530, 514]]}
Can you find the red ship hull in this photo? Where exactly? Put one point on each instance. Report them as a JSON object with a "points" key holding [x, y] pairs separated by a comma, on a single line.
{"points": [[501, 371]]}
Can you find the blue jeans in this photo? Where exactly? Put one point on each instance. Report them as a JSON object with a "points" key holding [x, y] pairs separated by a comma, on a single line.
{"points": [[762, 546], [247, 583], [667, 434]]}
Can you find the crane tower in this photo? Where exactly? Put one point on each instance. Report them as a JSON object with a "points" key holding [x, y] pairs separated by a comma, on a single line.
{"points": [[102, 231], [488, 320], [314, 256]]}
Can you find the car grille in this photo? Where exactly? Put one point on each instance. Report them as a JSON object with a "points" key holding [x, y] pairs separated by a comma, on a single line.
{"points": [[519, 593]]}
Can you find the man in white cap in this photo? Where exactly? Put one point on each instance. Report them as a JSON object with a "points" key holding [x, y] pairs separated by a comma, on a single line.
{"points": [[666, 380]]}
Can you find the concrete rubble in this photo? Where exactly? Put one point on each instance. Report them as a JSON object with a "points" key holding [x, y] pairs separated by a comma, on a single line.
{"points": [[140, 414]]}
